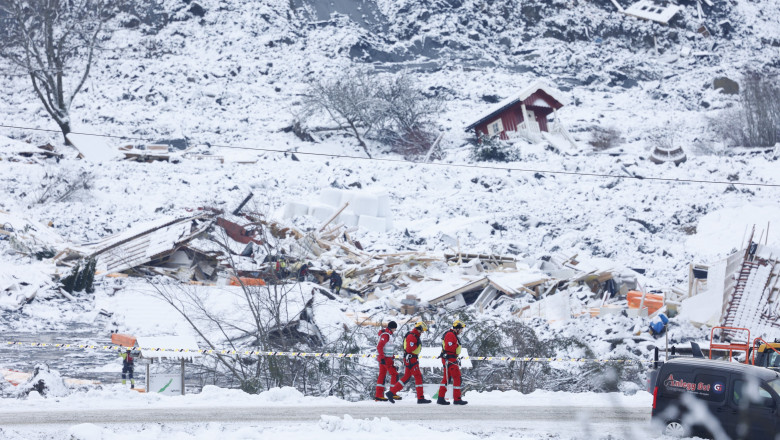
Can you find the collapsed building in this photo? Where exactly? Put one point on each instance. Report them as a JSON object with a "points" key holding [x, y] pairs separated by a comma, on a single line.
{"points": [[210, 247], [740, 291]]}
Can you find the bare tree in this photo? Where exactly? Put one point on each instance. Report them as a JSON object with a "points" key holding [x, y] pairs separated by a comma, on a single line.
{"points": [[409, 116], [760, 110], [350, 101], [756, 121], [264, 318], [406, 107], [54, 42], [362, 103]]}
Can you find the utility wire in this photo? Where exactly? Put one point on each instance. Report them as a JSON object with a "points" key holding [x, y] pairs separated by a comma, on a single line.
{"points": [[440, 164]]}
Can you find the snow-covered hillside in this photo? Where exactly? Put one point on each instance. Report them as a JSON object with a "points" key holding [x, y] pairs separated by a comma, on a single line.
{"points": [[229, 77], [233, 78]]}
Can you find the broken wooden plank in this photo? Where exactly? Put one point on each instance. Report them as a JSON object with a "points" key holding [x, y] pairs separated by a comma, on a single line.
{"points": [[333, 217], [483, 257], [433, 146]]}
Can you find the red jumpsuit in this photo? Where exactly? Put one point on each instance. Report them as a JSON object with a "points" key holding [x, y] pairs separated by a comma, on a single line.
{"points": [[451, 351], [412, 347], [385, 358]]}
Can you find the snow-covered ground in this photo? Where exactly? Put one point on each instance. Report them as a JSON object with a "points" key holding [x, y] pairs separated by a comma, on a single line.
{"points": [[233, 80], [287, 413]]}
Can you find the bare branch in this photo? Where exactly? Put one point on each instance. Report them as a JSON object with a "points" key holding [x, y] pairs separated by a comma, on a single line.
{"points": [[53, 41]]}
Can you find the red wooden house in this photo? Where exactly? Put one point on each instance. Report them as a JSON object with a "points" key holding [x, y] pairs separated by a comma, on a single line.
{"points": [[524, 114]]}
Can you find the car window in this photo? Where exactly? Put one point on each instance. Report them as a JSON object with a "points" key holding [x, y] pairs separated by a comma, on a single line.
{"points": [[749, 392], [775, 385]]}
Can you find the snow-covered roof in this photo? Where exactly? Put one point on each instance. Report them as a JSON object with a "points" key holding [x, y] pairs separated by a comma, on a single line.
{"points": [[514, 282], [649, 10], [168, 347], [511, 283], [522, 96], [142, 242], [768, 252]]}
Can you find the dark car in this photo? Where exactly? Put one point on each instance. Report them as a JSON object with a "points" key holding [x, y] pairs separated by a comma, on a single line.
{"points": [[716, 399]]}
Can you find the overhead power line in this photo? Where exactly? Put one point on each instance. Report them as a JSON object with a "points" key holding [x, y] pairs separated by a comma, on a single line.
{"points": [[438, 164]]}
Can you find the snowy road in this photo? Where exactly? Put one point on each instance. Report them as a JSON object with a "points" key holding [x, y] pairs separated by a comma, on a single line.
{"points": [[313, 413]]}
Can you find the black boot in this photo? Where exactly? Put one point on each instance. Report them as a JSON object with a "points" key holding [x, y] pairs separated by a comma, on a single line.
{"points": [[390, 397], [423, 400], [460, 402], [442, 401]]}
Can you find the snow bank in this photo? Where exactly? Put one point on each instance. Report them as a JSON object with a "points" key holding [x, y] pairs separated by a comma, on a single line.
{"points": [[44, 382], [118, 396], [86, 431]]}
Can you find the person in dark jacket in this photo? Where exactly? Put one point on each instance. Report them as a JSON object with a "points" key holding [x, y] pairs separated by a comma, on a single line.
{"points": [[335, 281], [303, 271], [128, 364]]}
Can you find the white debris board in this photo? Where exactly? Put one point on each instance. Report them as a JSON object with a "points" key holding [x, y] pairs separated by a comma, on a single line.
{"points": [[648, 10]]}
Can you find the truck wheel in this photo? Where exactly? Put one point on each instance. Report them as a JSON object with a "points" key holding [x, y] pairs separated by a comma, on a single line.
{"points": [[674, 429]]}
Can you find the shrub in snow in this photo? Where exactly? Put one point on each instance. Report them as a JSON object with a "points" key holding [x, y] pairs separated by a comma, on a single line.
{"points": [[45, 381], [282, 394], [81, 277], [6, 389], [489, 149], [756, 121], [62, 185], [603, 138]]}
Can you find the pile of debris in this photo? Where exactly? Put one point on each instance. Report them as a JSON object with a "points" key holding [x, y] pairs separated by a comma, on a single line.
{"points": [[211, 247]]}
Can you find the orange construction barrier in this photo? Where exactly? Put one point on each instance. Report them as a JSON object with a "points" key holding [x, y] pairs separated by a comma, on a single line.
{"points": [[124, 340], [246, 281], [653, 301]]}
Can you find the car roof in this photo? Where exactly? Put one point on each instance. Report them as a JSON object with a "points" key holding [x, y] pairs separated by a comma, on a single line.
{"points": [[735, 367]]}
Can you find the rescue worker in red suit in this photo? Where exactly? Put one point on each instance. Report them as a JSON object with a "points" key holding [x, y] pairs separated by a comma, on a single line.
{"points": [[451, 364], [412, 347], [385, 349]]}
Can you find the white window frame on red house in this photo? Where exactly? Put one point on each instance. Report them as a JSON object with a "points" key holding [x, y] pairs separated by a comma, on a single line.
{"points": [[495, 127]]}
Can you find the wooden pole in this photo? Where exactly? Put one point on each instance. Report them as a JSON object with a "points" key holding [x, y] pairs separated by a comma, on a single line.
{"points": [[527, 122], [182, 376], [433, 146], [244, 202], [147, 374], [333, 217], [617, 5]]}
